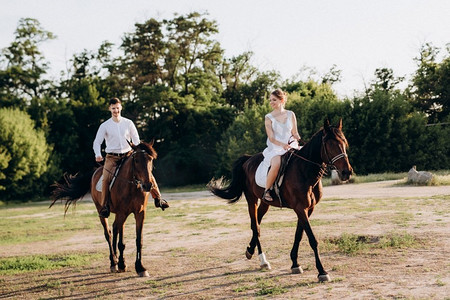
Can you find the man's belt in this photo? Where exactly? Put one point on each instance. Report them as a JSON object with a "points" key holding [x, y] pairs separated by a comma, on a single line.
{"points": [[117, 154]]}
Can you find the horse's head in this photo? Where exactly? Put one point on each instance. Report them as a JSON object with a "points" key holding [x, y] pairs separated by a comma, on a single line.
{"points": [[333, 151], [143, 156]]}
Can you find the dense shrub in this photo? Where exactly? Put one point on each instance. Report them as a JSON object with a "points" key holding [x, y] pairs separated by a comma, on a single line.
{"points": [[24, 155]]}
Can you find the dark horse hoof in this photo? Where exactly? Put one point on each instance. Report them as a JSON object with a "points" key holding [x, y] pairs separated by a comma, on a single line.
{"points": [[161, 203]]}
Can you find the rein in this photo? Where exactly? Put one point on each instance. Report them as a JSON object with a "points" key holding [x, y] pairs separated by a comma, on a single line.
{"points": [[305, 159], [334, 159], [324, 149], [134, 181]]}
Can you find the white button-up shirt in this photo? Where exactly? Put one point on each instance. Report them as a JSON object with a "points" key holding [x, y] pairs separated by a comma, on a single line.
{"points": [[116, 135]]}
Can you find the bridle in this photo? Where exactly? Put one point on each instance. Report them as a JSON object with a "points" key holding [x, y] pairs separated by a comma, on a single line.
{"points": [[323, 149], [134, 181], [331, 161]]}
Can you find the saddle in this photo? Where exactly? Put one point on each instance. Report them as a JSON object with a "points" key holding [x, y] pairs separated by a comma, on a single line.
{"points": [[274, 191], [99, 184]]}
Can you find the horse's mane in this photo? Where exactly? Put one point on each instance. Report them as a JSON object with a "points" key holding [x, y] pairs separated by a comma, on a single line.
{"points": [[315, 142], [338, 134], [312, 146], [148, 148]]}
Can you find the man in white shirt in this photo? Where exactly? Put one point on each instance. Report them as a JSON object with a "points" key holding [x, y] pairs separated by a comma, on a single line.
{"points": [[116, 131]]}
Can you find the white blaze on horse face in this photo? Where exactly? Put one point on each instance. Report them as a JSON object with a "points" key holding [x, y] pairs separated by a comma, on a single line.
{"points": [[342, 147]]}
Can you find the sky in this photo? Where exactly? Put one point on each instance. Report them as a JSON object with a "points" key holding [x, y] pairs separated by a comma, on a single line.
{"points": [[358, 36]]}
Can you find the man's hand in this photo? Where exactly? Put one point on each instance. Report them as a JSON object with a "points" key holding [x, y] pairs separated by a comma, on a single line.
{"points": [[98, 158]]}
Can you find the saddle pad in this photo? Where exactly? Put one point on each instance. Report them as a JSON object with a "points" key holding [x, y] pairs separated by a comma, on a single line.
{"points": [[263, 169], [98, 186], [261, 174]]}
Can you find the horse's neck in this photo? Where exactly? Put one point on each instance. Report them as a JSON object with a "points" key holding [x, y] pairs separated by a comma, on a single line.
{"points": [[126, 170], [312, 152]]}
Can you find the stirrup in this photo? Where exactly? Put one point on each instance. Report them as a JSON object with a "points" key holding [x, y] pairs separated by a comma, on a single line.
{"points": [[266, 196]]}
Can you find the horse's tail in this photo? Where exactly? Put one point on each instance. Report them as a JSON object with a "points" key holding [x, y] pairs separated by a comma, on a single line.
{"points": [[233, 191], [73, 188]]}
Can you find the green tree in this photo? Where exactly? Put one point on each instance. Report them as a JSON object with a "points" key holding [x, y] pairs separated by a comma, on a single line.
{"points": [[185, 134], [430, 87], [246, 135], [385, 79], [179, 53], [312, 103], [24, 156], [244, 85], [385, 133], [81, 107], [23, 65]]}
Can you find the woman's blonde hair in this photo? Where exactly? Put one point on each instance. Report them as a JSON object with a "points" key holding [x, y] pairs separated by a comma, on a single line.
{"points": [[280, 94]]}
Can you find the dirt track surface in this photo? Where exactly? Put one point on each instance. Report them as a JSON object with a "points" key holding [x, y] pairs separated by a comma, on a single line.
{"points": [[380, 189], [195, 250]]}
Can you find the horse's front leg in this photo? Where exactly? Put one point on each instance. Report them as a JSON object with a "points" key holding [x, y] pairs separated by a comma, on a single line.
{"points": [[304, 221], [140, 269], [112, 254], [118, 226]]}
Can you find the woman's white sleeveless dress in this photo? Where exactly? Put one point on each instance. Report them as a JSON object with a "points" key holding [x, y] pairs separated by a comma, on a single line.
{"points": [[283, 133]]}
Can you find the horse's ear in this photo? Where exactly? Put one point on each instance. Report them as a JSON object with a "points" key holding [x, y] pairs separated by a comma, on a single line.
{"points": [[151, 142], [339, 125], [131, 144]]}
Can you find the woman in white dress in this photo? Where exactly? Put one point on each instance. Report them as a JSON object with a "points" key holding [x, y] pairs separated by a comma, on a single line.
{"points": [[282, 135]]}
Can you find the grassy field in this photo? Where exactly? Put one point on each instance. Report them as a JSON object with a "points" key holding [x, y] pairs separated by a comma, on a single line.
{"points": [[374, 248]]}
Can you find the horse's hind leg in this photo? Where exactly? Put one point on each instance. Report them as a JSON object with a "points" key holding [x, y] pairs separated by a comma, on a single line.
{"points": [[112, 254], [256, 214]]}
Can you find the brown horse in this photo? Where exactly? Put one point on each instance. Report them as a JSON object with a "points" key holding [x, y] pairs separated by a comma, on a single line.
{"points": [[129, 194], [301, 189]]}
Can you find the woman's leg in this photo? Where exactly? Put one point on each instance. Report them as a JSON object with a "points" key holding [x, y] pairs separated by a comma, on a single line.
{"points": [[272, 175]]}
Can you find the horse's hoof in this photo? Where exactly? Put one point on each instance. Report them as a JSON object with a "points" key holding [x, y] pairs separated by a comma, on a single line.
{"points": [[297, 270], [114, 269], [144, 274], [323, 278], [264, 263], [123, 270], [248, 255]]}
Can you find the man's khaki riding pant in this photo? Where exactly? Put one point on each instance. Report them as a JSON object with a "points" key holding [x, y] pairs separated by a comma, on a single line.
{"points": [[108, 172]]}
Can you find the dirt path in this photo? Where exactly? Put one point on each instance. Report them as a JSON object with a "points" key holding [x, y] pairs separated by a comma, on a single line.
{"points": [[380, 189], [195, 250]]}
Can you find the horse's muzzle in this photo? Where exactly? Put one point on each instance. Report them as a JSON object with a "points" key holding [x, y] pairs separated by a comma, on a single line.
{"points": [[345, 175]]}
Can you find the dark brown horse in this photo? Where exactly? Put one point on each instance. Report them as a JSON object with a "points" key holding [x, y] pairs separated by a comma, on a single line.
{"points": [[301, 189], [129, 195]]}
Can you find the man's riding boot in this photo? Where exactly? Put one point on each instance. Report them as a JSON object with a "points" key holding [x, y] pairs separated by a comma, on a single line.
{"points": [[161, 203], [108, 170]]}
